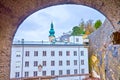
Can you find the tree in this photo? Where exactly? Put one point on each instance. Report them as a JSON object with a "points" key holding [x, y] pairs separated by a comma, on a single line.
{"points": [[89, 27], [76, 31], [97, 24], [82, 26]]}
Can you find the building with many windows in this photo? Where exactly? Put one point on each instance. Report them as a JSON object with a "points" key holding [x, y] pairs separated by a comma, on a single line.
{"points": [[58, 60]]}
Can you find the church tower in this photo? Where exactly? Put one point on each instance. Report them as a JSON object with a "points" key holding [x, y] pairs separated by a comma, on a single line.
{"points": [[51, 33]]}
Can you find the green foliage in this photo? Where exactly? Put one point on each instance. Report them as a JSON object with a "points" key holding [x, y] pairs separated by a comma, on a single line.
{"points": [[85, 28], [78, 30], [97, 24], [75, 31]]}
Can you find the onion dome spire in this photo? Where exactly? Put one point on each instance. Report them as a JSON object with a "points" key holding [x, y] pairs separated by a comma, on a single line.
{"points": [[52, 32]]}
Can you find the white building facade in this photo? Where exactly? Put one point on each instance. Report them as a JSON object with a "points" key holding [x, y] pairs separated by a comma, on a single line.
{"points": [[59, 60]]}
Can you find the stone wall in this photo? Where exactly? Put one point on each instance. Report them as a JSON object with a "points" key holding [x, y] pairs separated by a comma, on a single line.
{"points": [[107, 53]]}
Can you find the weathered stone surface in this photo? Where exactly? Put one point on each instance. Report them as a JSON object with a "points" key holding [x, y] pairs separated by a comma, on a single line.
{"points": [[13, 12], [107, 53]]}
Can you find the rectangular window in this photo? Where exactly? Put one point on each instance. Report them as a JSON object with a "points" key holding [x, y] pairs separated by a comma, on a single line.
{"points": [[27, 53], [67, 53], [68, 71], [60, 72], [35, 63], [82, 53], [68, 62], [75, 62], [52, 72], [26, 74], [77, 39], [52, 63], [26, 63], [75, 71], [82, 62], [82, 71], [18, 64], [35, 53], [60, 53], [17, 74], [18, 53], [52, 53], [60, 63], [44, 53], [35, 73], [44, 73], [43, 63], [75, 53]]}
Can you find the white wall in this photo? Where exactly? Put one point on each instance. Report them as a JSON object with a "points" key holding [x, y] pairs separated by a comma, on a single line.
{"points": [[48, 58], [73, 39]]}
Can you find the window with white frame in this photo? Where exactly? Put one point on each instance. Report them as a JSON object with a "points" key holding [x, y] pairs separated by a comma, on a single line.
{"points": [[75, 53], [75, 62], [60, 63], [82, 53], [60, 72], [68, 71], [43, 63], [68, 62], [17, 74], [82, 71], [44, 73], [35, 63], [52, 53], [75, 71], [60, 53], [26, 74], [82, 62], [44, 53], [77, 39], [26, 63], [27, 53], [18, 53], [67, 53], [18, 63], [35, 53], [52, 72], [35, 73], [52, 63]]}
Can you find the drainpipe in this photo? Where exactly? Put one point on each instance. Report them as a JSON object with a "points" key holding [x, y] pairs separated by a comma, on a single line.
{"points": [[22, 42], [79, 61]]}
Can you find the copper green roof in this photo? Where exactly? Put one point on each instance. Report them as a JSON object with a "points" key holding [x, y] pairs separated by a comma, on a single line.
{"points": [[52, 32]]}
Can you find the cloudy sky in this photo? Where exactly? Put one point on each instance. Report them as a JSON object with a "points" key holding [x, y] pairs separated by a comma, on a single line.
{"points": [[64, 17]]}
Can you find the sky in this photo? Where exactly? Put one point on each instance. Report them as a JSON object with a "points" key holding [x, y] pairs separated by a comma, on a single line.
{"points": [[64, 17]]}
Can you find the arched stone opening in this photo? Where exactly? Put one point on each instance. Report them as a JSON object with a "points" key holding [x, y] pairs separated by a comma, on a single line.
{"points": [[13, 12]]}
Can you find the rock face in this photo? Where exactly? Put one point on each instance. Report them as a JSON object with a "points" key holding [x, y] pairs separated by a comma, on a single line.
{"points": [[107, 53]]}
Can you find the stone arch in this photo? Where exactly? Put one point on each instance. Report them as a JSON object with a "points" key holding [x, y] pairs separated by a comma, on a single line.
{"points": [[13, 12]]}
